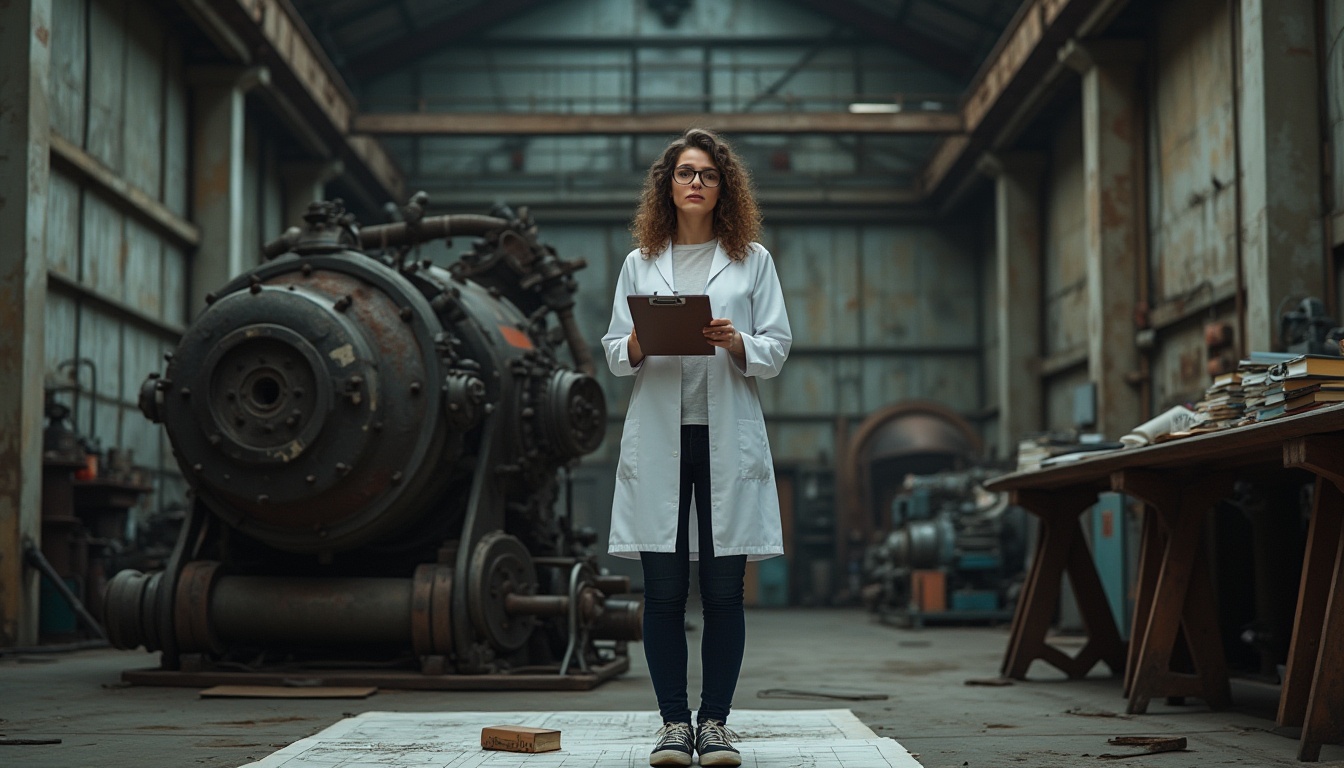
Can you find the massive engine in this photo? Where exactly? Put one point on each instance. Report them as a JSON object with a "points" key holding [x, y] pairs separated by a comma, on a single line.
{"points": [[375, 448], [954, 552]]}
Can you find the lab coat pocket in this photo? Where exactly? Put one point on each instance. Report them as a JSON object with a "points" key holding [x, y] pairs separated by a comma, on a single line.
{"points": [[628, 466], [753, 449]]}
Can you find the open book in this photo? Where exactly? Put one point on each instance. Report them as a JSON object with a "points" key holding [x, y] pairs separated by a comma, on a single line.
{"points": [[1178, 419]]}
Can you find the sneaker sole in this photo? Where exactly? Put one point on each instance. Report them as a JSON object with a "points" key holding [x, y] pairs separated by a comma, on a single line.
{"points": [[672, 757], [721, 758]]}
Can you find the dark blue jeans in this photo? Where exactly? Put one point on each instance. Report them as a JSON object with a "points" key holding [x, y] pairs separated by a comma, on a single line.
{"points": [[667, 582]]}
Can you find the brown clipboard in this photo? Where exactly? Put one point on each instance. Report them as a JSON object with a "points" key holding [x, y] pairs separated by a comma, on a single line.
{"points": [[672, 324]]}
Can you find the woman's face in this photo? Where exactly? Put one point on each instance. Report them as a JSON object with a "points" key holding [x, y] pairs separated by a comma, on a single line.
{"points": [[694, 198]]}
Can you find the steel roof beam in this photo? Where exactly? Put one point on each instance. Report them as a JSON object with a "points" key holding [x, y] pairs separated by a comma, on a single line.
{"points": [[916, 45], [524, 124], [397, 54]]}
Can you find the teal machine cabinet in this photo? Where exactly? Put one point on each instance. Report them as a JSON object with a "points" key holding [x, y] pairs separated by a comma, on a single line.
{"points": [[1115, 550]]}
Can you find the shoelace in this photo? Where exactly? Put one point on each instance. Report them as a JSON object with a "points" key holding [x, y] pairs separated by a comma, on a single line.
{"points": [[677, 732], [716, 734]]}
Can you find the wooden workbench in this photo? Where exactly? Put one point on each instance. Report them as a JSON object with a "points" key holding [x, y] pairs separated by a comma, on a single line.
{"points": [[1180, 481]]}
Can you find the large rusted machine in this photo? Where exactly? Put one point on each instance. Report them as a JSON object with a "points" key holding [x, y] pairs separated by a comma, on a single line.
{"points": [[375, 448]]}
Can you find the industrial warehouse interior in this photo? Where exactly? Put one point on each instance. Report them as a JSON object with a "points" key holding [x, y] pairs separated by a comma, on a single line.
{"points": [[334, 348]]}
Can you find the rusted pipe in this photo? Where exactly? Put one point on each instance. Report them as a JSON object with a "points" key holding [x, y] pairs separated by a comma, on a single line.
{"points": [[428, 228], [36, 559], [536, 605], [253, 610], [578, 345]]}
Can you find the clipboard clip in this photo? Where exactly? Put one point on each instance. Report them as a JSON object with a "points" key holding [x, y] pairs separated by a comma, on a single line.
{"points": [[666, 301]]}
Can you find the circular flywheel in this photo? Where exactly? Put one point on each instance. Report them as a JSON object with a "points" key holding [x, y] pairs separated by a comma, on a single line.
{"points": [[500, 566]]}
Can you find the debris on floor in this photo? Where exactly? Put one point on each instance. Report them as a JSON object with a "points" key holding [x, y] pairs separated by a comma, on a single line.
{"points": [[1151, 745], [797, 693], [286, 692]]}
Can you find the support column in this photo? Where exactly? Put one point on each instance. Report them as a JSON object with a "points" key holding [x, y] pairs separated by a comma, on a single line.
{"points": [[305, 182], [217, 184], [1018, 241], [25, 33], [1279, 140], [1113, 163]]}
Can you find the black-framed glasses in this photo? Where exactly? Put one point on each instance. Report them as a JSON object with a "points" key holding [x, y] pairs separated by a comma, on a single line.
{"points": [[684, 174]]}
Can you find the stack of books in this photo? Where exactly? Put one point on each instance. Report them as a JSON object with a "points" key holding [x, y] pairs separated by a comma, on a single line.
{"points": [[1224, 402], [1301, 384], [1257, 383]]}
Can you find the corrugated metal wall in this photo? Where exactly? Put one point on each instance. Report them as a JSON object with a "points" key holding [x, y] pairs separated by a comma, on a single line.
{"points": [[1334, 111], [117, 297], [880, 313], [118, 93]]}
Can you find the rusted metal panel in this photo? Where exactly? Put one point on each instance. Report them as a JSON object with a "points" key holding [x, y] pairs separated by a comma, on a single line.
{"points": [[143, 94], [809, 388], [1192, 160], [63, 201], [68, 52], [819, 271], [176, 148], [107, 82], [1065, 278], [173, 307], [1179, 372], [143, 286], [103, 259], [100, 340], [796, 443], [62, 331], [887, 381], [1059, 394]]}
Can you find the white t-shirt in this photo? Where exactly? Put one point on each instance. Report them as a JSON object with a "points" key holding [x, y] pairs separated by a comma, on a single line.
{"points": [[690, 273]]}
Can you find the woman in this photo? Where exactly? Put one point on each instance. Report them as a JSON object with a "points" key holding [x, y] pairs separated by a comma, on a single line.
{"points": [[694, 435]]}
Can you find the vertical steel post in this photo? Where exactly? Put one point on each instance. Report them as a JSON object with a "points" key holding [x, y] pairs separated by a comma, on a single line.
{"points": [[25, 56], [1280, 153]]}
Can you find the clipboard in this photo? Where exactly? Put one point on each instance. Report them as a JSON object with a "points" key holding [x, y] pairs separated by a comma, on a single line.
{"points": [[672, 324]]}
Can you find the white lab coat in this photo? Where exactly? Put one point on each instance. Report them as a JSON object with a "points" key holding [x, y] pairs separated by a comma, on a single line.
{"points": [[745, 503]]}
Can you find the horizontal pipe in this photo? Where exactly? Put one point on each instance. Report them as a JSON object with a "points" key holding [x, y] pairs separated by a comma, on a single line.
{"points": [[428, 228], [255, 610]]}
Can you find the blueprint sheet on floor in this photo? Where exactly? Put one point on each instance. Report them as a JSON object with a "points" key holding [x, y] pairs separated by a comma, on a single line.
{"points": [[834, 738]]}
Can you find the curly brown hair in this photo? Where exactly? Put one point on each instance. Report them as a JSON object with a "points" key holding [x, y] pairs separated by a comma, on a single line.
{"points": [[737, 219]]}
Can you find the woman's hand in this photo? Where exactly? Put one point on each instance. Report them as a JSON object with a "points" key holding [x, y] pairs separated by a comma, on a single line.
{"points": [[721, 333], [633, 351]]}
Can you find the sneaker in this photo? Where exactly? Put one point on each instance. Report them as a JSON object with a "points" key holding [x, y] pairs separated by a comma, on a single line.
{"points": [[714, 742], [673, 746]]}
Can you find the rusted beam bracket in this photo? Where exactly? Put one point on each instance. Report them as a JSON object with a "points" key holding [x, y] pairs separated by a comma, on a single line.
{"points": [[306, 88], [1024, 58]]}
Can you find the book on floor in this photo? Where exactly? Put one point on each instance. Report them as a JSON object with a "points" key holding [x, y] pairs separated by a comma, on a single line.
{"points": [[519, 738]]}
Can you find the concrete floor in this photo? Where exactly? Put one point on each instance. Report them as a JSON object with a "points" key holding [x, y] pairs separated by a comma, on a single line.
{"points": [[1046, 723]]}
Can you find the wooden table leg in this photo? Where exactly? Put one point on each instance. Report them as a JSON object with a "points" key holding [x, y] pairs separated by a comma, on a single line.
{"points": [[1061, 549], [1151, 542], [1317, 646], [1324, 723], [1181, 594], [1322, 537]]}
